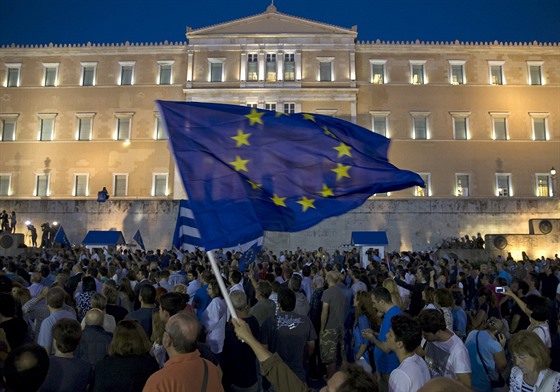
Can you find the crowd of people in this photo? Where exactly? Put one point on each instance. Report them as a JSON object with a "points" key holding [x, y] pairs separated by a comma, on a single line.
{"points": [[82, 320]]}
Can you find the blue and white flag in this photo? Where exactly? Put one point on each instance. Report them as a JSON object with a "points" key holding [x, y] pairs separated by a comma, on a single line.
{"points": [[61, 238], [138, 238]]}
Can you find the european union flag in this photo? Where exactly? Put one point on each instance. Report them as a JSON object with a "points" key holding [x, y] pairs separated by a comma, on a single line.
{"points": [[247, 170], [138, 238], [61, 238]]}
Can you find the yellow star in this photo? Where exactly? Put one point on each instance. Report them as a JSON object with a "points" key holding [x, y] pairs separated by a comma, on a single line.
{"points": [[279, 201], [240, 164], [254, 184], [343, 150], [307, 116], [341, 171], [306, 203], [255, 117], [327, 132], [241, 138], [326, 191]]}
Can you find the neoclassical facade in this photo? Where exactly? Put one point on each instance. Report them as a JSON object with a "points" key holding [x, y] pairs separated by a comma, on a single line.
{"points": [[476, 120]]}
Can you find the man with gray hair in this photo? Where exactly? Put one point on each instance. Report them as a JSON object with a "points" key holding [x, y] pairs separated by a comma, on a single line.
{"points": [[95, 340], [55, 304], [185, 370]]}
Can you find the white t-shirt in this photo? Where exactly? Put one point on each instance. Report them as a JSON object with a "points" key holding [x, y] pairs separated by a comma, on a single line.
{"points": [[447, 358], [543, 331], [411, 375]]}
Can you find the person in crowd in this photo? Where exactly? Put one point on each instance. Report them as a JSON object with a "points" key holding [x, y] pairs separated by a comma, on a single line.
{"points": [[95, 340], [129, 364], [265, 307], [99, 301], [214, 318], [393, 288], [444, 302], [201, 298], [385, 360], [403, 339], [364, 321], [487, 356], [459, 316], [67, 373], [331, 338], [531, 358], [487, 308], [15, 327], [302, 304], [422, 282], [194, 282], [519, 319], [185, 370], [83, 299], [118, 312], [289, 334], [26, 368], [444, 352], [125, 296], [142, 278], [143, 315], [55, 303]]}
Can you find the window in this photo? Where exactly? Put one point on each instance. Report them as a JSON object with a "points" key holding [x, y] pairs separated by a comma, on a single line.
{"points": [[12, 74], [417, 72], [535, 73], [159, 187], [499, 122], [46, 122], [270, 67], [160, 133], [127, 73], [216, 67], [289, 67], [326, 69], [165, 72], [51, 73], [503, 185], [462, 185], [252, 67], [289, 107], [80, 185], [124, 121], [379, 122], [420, 125], [88, 74], [539, 121], [5, 184], [42, 185], [120, 184], [496, 72], [457, 72], [8, 130], [544, 185], [85, 126], [270, 106], [460, 125], [252, 105], [427, 191], [378, 71]]}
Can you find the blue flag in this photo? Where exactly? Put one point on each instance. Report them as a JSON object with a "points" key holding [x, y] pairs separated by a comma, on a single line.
{"points": [[138, 238], [247, 170], [61, 238], [187, 236]]}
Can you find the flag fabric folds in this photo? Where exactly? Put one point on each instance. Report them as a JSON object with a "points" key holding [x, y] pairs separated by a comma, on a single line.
{"points": [[61, 238], [138, 238], [247, 170]]}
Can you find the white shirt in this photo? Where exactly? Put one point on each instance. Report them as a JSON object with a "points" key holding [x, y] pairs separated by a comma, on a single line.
{"points": [[448, 358], [543, 331], [214, 322], [410, 376]]}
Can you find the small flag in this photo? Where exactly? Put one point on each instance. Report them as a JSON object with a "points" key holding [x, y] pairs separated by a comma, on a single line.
{"points": [[61, 238], [187, 236], [138, 238], [249, 255]]}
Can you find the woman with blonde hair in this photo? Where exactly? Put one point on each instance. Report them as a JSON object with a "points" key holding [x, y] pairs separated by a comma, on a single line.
{"points": [[365, 319], [393, 288], [531, 370], [129, 364]]}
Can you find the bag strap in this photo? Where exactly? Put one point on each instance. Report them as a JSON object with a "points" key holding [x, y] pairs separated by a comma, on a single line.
{"points": [[205, 379], [481, 357]]}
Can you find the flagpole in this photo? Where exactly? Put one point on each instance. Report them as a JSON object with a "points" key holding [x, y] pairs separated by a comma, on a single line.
{"points": [[221, 283]]}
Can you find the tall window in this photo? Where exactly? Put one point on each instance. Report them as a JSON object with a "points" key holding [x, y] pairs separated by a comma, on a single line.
{"points": [[379, 122], [159, 133], [159, 184], [127, 73], [462, 185], [165, 70], [457, 72], [124, 121], [270, 67], [418, 72], [460, 125], [88, 74], [80, 184], [46, 123], [326, 69], [8, 131], [5, 184], [120, 184], [378, 71], [216, 70], [12, 74], [499, 123], [496, 72], [535, 72], [289, 107], [42, 185], [289, 67], [85, 126], [270, 106], [252, 67], [420, 125], [503, 185], [427, 190], [544, 185], [539, 121], [51, 73]]}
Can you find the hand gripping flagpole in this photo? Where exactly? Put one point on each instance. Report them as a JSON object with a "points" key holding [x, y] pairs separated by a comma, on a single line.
{"points": [[221, 283]]}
